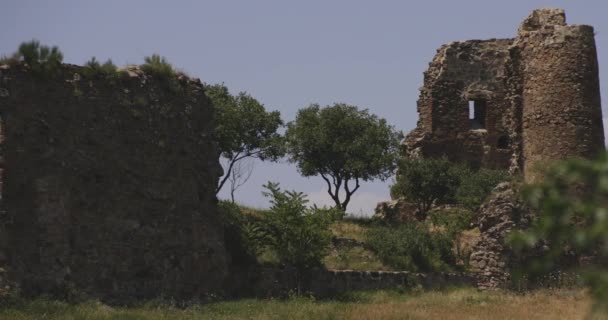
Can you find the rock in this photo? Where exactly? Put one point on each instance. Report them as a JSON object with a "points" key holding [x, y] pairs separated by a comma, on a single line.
{"points": [[398, 210], [502, 212]]}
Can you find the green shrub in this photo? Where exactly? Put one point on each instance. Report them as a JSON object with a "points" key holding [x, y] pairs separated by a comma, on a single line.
{"points": [[158, 66], [426, 182], [43, 61], [476, 185], [298, 234], [93, 69], [454, 220], [572, 206], [411, 247], [243, 236]]}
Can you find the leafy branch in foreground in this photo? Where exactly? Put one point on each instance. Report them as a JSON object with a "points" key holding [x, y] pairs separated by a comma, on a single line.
{"points": [[572, 203]]}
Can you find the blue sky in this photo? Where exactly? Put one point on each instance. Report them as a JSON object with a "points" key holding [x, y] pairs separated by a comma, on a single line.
{"points": [[288, 54]]}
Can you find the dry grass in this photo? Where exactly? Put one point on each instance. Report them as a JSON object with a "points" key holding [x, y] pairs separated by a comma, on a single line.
{"points": [[455, 304], [355, 258], [352, 257], [349, 229], [473, 305]]}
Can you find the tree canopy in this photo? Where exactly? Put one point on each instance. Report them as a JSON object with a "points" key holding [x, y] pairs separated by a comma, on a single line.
{"points": [[244, 128], [426, 182], [433, 181], [344, 145]]}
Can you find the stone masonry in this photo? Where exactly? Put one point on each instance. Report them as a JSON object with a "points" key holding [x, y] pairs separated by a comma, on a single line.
{"points": [[492, 257], [513, 103], [108, 185]]}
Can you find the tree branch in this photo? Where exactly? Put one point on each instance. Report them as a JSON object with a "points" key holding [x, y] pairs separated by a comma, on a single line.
{"points": [[349, 193], [240, 175], [334, 195], [227, 173]]}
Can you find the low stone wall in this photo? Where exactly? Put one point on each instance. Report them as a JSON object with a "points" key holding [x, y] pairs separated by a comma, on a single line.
{"points": [[274, 282]]}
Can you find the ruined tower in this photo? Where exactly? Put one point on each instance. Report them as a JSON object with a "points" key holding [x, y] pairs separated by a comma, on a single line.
{"points": [[560, 95], [513, 103]]}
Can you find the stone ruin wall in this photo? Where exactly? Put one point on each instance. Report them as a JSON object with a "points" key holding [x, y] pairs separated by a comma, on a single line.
{"points": [[108, 186], [560, 94], [459, 73], [540, 93]]}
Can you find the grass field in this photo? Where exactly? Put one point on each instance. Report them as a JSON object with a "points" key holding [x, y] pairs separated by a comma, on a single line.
{"points": [[454, 304]]}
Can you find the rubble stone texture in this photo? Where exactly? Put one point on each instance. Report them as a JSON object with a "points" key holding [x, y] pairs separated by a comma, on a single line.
{"points": [[397, 210], [536, 98], [491, 257], [108, 185]]}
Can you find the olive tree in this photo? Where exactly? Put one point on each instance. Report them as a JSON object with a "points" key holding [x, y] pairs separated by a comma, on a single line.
{"points": [[244, 129], [343, 145]]}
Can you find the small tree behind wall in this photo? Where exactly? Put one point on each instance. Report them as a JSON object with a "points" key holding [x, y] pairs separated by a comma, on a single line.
{"points": [[343, 145], [244, 129]]}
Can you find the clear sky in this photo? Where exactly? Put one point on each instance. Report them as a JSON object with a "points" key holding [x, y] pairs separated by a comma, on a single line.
{"points": [[288, 54]]}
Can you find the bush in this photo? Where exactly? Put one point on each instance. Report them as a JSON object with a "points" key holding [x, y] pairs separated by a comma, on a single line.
{"points": [[571, 203], [43, 61], [299, 235], [476, 186], [242, 233], [454, 220], [426, 182], [158, 66], [411, 247], [93, 69]]}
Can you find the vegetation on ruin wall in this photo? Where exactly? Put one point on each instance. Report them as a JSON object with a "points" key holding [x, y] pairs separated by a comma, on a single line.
{"points": [[44, 61], [444, 305]]}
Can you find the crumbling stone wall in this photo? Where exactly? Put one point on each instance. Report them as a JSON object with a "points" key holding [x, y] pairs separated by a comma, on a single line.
{"points": [[538, 94], [459, 73], [561, 112], [108, 185], [542, 103], [492, 256]]}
